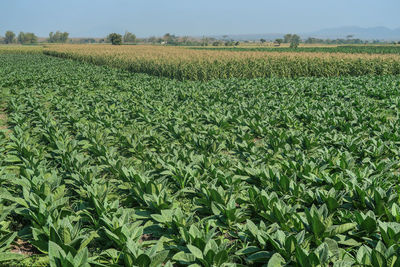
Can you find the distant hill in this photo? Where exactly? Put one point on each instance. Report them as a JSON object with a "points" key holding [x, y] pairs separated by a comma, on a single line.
{"points": [[374, 33]]}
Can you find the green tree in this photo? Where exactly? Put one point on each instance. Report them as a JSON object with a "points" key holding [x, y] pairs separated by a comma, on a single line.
{"points": [[287, 38], [294, 41], [279, 41], [9, 37], [21, 37], [58, 37], [51, 38], [262, 40], [170, 39], [64, 37], [115, 38], [27, 38], [129, 37], [217, 43], [312, 40], [229, 43]]}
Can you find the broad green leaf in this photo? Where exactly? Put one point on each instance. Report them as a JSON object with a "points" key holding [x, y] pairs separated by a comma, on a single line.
{"points": [[9, 256], [377, 259], [159, 258], [143, 261], [81, 259], [195, 251], [247, 250], [276, 260], [261, 256], [340, 229], [184, 257], [89, 239], [221, 257], [252, 227]]}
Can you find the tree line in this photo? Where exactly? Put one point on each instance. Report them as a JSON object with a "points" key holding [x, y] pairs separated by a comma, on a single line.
{"points": [[30, 38], [170, 39], [294, 40], [58, 37], [22, 38]]}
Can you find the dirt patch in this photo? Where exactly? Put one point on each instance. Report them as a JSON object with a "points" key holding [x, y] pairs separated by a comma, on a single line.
{"points": [[146, 237], [24, 248], [3, 121]]}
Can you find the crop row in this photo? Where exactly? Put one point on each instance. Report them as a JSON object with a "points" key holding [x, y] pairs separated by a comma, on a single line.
{"points": [[108, 168], [19, 49], [186, 64]]}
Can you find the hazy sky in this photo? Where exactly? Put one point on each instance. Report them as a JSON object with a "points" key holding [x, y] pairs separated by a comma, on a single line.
{"points": [[96, 18]]}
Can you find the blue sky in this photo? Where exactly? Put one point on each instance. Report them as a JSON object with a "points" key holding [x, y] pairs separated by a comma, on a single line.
{"points": [[96, 18]]}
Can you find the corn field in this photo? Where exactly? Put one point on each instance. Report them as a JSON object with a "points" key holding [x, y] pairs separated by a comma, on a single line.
{"points": [[203, 65], [19, 49], [348, 49]]}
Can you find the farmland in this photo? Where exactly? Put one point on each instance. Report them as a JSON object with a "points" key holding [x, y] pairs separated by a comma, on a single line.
{"points": [[348, 49], [204, 65], [15, 49], [100, 166]]}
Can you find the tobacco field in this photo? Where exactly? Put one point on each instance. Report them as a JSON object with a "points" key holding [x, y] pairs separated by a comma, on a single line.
{"points": [[103, 167]]}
